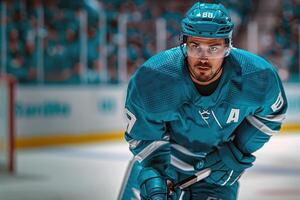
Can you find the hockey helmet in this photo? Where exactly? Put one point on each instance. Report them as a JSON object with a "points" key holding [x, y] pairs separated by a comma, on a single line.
{"points": [[207, 20]]}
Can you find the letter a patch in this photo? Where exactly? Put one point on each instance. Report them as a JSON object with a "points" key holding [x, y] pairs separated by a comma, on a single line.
{"points": [[233, 116]]}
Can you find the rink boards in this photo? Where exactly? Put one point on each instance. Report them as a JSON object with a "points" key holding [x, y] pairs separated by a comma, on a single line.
{"points": [[50, 115]]}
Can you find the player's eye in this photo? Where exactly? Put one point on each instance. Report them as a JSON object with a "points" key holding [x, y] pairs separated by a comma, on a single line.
{"points": [[213, 49], [194, 46]]}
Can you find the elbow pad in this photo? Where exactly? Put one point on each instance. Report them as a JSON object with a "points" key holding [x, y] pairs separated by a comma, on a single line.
{"points": [[249, 139]]}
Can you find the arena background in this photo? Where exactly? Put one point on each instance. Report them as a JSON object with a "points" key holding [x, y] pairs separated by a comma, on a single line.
{"points": [[72, 59]]}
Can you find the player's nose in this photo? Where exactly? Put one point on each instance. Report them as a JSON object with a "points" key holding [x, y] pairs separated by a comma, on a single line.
{"points": [[202, 56], [203, 60]]}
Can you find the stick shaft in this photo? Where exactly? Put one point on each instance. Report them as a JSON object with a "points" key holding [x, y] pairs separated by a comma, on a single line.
{"points": [[193, 179]]}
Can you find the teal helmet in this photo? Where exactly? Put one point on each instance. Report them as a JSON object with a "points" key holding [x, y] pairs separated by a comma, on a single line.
{"points": [[207, 20]]}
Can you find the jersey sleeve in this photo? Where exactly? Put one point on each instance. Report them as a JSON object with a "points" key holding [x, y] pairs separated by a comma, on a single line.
{"points": [[146, 132], [255, 130]]}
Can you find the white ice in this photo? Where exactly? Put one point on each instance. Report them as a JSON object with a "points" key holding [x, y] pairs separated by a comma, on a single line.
{"points": [[95, 172]]}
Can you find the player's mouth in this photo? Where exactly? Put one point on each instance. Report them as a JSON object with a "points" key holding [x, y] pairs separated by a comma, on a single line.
{"points": [[202, 67]]}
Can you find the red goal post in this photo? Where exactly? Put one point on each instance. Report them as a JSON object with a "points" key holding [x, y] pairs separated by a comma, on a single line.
{"points": [[7, 123]]}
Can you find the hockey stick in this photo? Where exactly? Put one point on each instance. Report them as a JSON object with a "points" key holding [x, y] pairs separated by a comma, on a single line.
{"points": [[189, 181], [193, 179]]}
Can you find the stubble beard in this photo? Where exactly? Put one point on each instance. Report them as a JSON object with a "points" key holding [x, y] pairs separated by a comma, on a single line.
{"points": [[201, 76]]}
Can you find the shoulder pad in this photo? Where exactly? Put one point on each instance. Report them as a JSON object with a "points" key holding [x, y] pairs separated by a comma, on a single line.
{"points": [[259, 78], [159, 82], [250, 62]]}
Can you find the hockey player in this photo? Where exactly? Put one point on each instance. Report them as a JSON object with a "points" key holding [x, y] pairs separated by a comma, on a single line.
{"points": [[203, 104]]}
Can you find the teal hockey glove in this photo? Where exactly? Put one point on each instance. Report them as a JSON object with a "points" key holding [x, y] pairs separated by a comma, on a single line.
{"points": [[227, 163], [153, 186]]}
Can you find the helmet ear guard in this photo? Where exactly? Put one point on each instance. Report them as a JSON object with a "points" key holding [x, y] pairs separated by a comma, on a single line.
{"points": [[228, 41], [182, 38]]}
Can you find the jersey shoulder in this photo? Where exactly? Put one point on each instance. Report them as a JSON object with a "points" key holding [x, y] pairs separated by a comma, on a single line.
{"points": [[259, 79], [157, 85], [250, 62]]}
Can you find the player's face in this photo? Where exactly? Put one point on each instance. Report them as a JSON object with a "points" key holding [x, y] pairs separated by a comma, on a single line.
{"points": [[205, 57]]}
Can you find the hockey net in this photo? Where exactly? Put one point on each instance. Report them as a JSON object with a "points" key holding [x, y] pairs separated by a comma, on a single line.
{"points": [[7, 125]]}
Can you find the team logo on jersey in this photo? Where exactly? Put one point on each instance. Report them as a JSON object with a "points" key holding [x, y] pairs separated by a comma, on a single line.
{"points": [[205, 115], [233, 116]]}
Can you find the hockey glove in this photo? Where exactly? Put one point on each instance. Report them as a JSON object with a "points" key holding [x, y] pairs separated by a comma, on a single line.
{"points": [[153, 186], [227, 163]]}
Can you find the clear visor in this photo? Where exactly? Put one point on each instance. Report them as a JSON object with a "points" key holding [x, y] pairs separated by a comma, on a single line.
{"points": [[207, 51]]}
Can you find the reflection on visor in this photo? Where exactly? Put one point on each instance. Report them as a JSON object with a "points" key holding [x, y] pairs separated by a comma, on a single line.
{"points": [[214, 51]]}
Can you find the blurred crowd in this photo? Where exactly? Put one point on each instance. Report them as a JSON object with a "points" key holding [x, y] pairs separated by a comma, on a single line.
{"points": [[57, 45], [141, 30], [283, 47], [51, 42]]}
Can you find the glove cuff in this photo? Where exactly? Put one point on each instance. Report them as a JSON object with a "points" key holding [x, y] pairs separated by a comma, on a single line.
{"points": [[151, 183]]}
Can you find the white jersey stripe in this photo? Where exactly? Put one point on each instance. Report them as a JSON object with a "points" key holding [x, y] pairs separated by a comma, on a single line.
{"points": [[149, 150], [273, 118], [260, 126], [187, 152], [181, 164]]}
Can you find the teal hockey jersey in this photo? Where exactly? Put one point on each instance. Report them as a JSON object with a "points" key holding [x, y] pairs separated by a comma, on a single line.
{"points": [[170, 123]]}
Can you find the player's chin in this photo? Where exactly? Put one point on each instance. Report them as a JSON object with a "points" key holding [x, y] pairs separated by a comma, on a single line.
{"points": [[202, 78], [202, 74]]}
